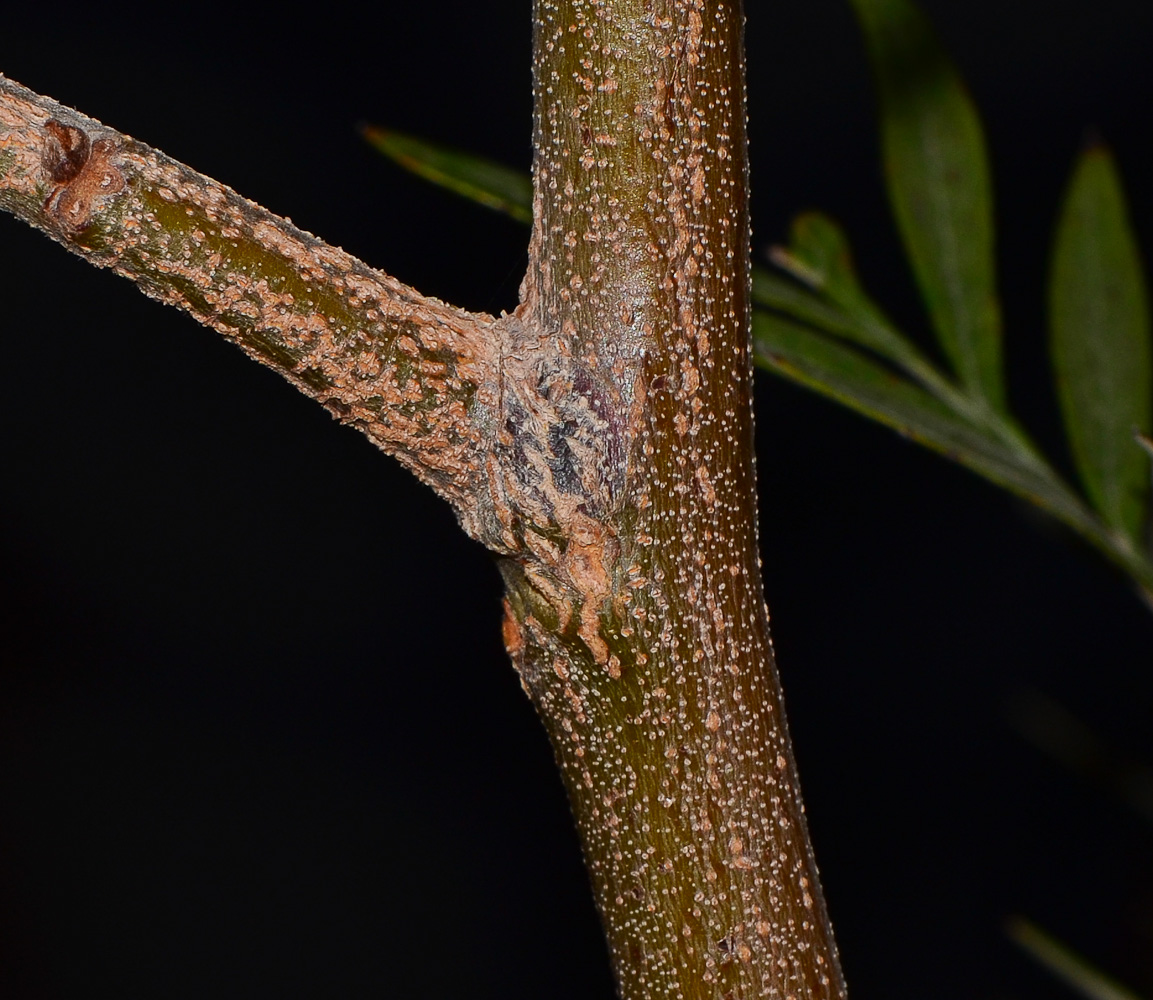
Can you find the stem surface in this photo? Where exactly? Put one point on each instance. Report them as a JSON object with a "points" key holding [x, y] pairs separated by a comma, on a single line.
{"points": [[649, 658]]}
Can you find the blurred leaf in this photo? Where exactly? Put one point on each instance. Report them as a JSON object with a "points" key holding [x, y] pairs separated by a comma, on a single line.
{"points": [[1058, 733], [863, 384], [1099, 323], [938, 178], [473, 177], [853, 378], [818, 255], [781, 294], [1064, 963], [862, 327]]}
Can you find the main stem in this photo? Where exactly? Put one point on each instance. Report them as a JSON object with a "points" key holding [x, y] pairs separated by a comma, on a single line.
{"points": [[643, 640], [598, 440]]}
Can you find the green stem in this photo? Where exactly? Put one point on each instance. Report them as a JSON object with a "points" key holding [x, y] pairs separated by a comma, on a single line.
{"points": [[643, 638], [404, 369]]}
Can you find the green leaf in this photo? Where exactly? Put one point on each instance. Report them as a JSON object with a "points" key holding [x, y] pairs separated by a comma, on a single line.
{"points": [[851, 377], [937, 172], [819, 256], [1055, 731], [492, 184], [774, 292], [868, 329], [1064, 963], [853, 317], [1099, 326]]}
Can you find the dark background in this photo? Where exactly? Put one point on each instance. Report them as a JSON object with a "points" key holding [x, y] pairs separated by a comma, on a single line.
{"points": [[258, 737]]}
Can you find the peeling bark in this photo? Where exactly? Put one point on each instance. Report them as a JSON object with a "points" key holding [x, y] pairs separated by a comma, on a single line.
{"points": [[598, 440]]}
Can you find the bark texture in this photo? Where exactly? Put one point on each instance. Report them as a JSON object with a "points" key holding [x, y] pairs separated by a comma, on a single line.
{"points": [[654, 672], [407, 370], [598, 440]]}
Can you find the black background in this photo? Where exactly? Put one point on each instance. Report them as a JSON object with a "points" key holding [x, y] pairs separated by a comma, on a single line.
{"points": [[259, 737]]}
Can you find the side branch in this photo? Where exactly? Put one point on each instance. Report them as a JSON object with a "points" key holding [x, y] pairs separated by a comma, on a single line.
{"points": [[415, 375]]}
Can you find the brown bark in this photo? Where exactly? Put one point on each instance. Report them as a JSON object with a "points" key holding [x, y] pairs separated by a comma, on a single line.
{"points": [[598, 440], [407, 370], [655, 678]]}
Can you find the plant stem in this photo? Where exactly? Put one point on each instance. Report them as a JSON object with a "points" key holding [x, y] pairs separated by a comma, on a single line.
{"points": [[656, 678], [405, 369], [599, 440]]}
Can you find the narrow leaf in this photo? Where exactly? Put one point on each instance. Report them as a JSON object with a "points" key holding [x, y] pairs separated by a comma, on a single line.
{"points": [[818, 255], [861, 327], [492, 184], [1099, 325], [1058, 733], [774, 292], [937, 173], [852, 378], [859, 321], [1064, 963]]}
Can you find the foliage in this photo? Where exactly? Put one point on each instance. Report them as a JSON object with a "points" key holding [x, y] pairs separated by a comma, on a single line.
{"points": [[1066, 965]]}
